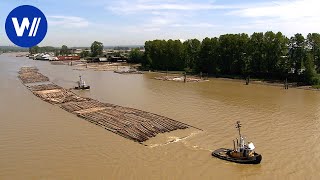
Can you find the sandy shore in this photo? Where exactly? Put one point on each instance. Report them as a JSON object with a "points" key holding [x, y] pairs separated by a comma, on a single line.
{"points": [[252, 81]]}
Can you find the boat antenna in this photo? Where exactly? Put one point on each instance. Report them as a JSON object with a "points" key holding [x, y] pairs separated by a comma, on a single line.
{"points": [[238, 126]]}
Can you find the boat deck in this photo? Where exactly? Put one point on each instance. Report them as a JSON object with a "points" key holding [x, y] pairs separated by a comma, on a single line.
{"points": [[222, 154]]}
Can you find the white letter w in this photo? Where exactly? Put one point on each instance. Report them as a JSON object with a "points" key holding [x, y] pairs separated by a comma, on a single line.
{"points": [[25, 25]]}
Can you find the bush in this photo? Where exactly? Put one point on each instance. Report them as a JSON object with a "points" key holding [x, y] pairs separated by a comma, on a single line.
{"points": [[316, 86], [315, 80], [188, 70]]}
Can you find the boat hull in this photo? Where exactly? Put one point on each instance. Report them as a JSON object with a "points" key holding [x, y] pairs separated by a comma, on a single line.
{"points": [[223, 154], [82, 88]]}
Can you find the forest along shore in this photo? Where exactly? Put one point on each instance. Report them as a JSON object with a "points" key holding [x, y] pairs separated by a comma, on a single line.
{"points": [[127, 122], [260, 55]]}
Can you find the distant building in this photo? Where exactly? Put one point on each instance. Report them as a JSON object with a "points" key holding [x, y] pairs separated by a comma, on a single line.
{"points": [[77, 51]]}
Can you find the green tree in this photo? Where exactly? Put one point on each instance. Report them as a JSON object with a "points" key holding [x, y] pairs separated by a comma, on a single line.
{"points": [[96, 49], [56, 52], [174, 52], [208, 56], [297, 52], [34, 50], [47, 49], [240, 62], [84, 53], [233, 53], [271, 58], [313, 42], [225, 54], [135, 56], [310, 73], [275, 53], [191, 53], [263, 55], [64, 51], [256, 51], [155, 52], [117, 54], [281, 54], [147, 61]]}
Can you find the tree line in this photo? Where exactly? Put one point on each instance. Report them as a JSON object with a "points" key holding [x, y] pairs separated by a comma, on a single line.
{"points": [[96, 50], [263, 55], [5, 49], [44, 49]]}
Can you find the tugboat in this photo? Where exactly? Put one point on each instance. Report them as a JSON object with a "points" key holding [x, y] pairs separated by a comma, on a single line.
{"points": [[242, 152], [81, 85]]}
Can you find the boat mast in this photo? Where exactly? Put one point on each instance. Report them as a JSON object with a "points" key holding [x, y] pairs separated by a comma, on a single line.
{"points": [[241, 144], [238, 126], [80, 82]]}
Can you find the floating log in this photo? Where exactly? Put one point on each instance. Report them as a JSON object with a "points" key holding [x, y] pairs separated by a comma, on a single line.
{"points": [[183, 78], [127, 122], [130, 71]]}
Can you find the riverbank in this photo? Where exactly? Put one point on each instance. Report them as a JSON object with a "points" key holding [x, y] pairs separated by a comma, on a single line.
{"points": [[277, 83], [99, 66], [270, 83]]}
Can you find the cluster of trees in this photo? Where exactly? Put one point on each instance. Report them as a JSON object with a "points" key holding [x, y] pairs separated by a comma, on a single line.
{"points": [[135, 56], [37, 49], [263, 55], [64, 50], [4, 49], [96, 50]]}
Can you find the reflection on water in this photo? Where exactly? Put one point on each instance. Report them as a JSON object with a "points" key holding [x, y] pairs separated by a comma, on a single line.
{"points": [[41, 141]]}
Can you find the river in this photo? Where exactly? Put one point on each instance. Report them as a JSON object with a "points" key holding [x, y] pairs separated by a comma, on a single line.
{"points": [[42, 141]]}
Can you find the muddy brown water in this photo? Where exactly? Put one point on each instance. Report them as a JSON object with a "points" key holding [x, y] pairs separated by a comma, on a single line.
{"points": [[41, 141]]}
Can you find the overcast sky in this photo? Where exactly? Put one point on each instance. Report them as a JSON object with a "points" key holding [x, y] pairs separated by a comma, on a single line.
{"points": [[132, 22]]}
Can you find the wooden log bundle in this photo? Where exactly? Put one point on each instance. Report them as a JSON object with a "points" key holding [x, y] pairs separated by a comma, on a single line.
{"points": [[43, 87], [127, 122], [58, 96], [28, 69], [31, 75], [59, 63]]}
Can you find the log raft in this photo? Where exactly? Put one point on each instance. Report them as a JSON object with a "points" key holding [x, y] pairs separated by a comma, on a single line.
{"points": [[127, 122]]}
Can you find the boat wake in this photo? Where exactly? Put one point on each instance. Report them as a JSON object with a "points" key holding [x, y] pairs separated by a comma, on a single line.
{"points": [[175, 139]]}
